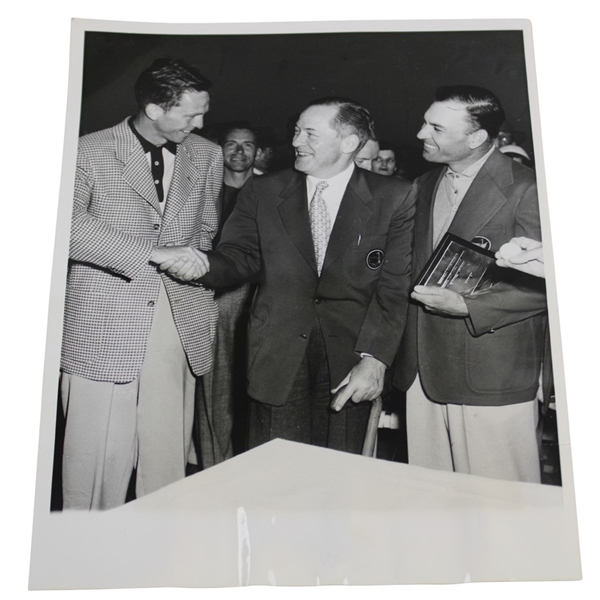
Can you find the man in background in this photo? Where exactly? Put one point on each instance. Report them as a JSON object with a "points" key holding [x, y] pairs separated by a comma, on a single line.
{"points": [[265, 153], [138, 329], [368, 153]]}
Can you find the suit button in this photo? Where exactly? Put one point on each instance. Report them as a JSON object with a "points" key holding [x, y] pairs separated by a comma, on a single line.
{"points": [[151, 303], [156, 226], [303, 336], [318, 301]]}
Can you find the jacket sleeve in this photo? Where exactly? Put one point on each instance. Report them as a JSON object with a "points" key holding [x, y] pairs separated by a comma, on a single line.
{"points": [[237, 257], [95, 241], [521, 296], [385, 319]]}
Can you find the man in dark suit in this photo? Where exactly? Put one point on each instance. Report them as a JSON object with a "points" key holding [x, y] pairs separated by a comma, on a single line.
{"points": [[471, 365], [332, 245], [138, 329]]}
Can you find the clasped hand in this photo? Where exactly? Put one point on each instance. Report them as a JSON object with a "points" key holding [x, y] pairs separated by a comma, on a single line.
{"points": [[181, 262]]}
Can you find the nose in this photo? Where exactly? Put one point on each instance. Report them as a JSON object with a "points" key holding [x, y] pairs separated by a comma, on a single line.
{"points": [[423, 132], [298, 139], [239, 149], [198, 121]]}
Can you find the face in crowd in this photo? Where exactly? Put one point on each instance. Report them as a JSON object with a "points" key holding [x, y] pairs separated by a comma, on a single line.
{"points": [[368, 153], [264, 158], [385, 163], [239, 150]]}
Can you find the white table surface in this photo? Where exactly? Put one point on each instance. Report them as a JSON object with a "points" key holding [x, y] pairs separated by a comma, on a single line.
{"points": [[290, 514]]}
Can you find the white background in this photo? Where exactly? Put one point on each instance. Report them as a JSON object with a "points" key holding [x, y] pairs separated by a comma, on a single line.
{"points": [[33, 90]]}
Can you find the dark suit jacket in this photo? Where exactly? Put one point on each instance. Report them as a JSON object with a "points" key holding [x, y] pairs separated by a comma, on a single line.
{"points": [[492, 357], [359, 302]]}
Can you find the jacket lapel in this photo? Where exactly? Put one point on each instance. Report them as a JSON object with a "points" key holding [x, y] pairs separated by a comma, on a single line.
{"points": [[293, 211], [354, 212], [184, 178], [483, 200], [136, 172]]}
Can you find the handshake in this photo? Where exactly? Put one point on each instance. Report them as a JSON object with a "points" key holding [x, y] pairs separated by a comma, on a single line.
{"points": [[181, 262]]}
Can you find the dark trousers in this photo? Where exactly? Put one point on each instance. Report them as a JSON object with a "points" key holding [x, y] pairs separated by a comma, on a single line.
{"points": [[305, 415]]}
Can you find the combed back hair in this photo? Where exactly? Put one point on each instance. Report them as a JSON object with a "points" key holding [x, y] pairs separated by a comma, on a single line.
{"points": [[351, 118], [165, 81], [227, 128], [483, 107]]}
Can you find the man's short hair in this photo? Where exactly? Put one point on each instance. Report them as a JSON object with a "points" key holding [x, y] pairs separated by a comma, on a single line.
{"points": [[351, 118], [483, 107], [166, 80], [227, 128]]}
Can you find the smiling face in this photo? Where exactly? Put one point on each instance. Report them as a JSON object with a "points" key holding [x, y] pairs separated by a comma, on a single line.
{"points": [[239, 150], [385, 163], [449, 136], [320, 150], [176, 123]]}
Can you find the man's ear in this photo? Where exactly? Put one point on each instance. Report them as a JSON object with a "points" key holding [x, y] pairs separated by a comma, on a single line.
{"points": [[477, 138], [350, 143], [153, 111], [259, 153]]}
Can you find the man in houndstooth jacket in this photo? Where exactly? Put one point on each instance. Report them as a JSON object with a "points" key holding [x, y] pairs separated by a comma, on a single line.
{"points": [[138, 329]]}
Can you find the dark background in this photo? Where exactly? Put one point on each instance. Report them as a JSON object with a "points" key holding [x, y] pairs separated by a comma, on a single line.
{"points": [[269, 79]]}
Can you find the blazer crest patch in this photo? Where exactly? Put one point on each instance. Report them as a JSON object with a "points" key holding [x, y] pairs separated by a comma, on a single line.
{"points": [[374, 259], [482, 242]]}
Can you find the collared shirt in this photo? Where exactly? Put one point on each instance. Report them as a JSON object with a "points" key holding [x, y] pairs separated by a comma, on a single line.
{"points": [[161, 160], [333, 193], [451, 192]]}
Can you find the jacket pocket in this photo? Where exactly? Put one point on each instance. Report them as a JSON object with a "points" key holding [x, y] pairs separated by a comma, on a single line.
{"points": [[84, 327], [507, 360]]}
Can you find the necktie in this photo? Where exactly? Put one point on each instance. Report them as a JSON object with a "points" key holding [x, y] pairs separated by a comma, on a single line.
{"points": [[320, 224]]}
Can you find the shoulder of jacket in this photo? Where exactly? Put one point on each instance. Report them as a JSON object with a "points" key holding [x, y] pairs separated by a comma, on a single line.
{"points": [[198, 144], [279, 178], [98, 139], [429, 175]]}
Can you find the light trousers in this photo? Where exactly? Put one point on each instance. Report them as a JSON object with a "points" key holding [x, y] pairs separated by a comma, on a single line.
{"points": [[490, 441], [146, 423]]}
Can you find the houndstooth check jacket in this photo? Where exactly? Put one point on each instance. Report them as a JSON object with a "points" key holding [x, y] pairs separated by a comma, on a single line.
{"points": [[112, 287]]}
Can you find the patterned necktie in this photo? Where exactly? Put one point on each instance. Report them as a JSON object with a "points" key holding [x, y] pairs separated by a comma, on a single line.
{"points": [[320, 224]]}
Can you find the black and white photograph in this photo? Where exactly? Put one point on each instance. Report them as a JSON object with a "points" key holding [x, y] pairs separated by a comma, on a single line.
{"points": [[247, 380]]}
